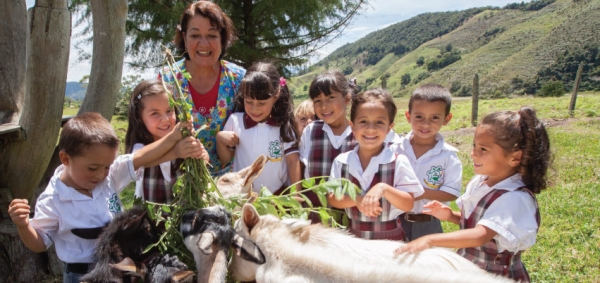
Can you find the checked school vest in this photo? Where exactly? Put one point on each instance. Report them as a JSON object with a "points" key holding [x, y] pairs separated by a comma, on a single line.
{"points": [[156, 188], [507, 264], [322, 152], [381, 227]]}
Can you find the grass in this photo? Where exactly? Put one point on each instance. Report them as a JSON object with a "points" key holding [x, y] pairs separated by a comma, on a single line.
{"points": [[568, 242]]}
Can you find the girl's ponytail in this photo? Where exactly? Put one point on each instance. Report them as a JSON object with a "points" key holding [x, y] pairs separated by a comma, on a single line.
{"points": [[535, 147]]}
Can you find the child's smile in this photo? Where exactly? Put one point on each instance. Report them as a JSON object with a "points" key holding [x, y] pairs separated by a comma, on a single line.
{"points": [[371, 125]]}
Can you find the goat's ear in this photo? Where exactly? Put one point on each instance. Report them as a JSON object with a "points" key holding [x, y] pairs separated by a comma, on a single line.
{"points": [[205, 242], [247, 249], [250, 216], [255, 169], [182, 276], [130, 267], [88, 233], [132, 225]]}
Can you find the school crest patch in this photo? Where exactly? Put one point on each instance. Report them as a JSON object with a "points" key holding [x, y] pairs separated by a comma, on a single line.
{"points": [[114, 205], [435, 177], [275, 151]]}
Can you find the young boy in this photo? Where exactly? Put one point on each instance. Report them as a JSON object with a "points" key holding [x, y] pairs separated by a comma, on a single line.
{"points": [[435, 163], [83, 193]]}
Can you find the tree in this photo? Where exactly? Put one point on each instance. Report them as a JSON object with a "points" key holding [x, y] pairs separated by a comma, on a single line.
{"points": [[420, 61], [284, 32], [405, 79], [36, 107]]}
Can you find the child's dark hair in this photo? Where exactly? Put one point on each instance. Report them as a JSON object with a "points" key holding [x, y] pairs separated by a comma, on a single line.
{"points": [[262, 81], [431, 93], [136, 130], [521, 130], [85, 130], [330, 81], [378, 94]]}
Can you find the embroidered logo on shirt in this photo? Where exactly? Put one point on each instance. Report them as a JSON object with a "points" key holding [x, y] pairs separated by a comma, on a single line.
{"points": [[435, 177], [114, 205], [275, 153]]}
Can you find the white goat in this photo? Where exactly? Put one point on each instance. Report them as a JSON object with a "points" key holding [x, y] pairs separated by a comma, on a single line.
{"points": [[240, 182], [296, 251]]}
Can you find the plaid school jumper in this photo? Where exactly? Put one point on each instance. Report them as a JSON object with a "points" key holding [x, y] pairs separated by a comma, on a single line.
{"points": [[381, 227], [322, 154], [507, 264], [156, 188]]}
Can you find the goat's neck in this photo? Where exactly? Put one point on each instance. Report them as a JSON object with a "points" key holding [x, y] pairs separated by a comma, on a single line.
{"points": [[212, 268]]}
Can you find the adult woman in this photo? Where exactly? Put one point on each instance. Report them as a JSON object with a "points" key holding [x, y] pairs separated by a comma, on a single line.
{"points": [[203, 35]]}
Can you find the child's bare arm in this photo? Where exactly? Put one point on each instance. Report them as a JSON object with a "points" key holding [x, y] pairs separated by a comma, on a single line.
{"points": [[467, 238], [442, 212], [344, 202], [158, 151], [226, 143], [400, 199], [19, 213], [436, 195]]}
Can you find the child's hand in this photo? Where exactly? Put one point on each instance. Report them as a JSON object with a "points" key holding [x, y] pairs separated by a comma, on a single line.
{"points": [[190, 147], [228, 138], [19, 212], [177, 132], [438, 210], [369, 204], [414, 246]]}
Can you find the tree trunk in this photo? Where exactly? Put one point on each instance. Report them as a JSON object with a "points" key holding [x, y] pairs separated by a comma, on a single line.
{"points": [[24, 162], [13, 41], [20, 264], [109, 18]]}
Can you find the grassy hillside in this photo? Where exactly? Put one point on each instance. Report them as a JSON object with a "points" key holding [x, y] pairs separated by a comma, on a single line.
{"points": [[502, 46]]}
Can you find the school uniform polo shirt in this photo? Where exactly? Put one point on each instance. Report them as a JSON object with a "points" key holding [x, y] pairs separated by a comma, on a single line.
{"points": [[61, 208], [256, 139], [165, 169], [404, 177], [512, 215], [438, 169]]}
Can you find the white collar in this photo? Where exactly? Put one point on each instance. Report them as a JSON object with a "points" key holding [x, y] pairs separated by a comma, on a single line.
{"points": [[66, 193]]}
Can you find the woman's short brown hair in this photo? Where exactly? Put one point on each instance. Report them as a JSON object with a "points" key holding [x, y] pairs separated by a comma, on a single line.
{"points": [[217, 18]]}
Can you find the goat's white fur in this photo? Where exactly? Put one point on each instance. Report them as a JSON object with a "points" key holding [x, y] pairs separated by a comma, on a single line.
{"points": [[298, 252]]}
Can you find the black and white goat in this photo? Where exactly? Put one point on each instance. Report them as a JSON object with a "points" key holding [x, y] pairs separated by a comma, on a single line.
{"points": [[119, 255], [208, 234]]}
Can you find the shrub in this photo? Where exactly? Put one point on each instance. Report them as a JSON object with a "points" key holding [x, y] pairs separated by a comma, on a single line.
{"points": [[552, 89]]}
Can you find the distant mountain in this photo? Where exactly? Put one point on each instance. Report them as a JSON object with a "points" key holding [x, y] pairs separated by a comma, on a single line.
{"points": [[515, 49], [75, 91]]}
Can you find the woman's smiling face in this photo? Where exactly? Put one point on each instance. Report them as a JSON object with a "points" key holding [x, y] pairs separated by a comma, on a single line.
{"points": [[202, 42]]}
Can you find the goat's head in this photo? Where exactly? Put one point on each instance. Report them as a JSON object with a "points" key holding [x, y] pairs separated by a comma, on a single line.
{"points": [[208, 234], [253, 227], [161, 269], [240, 182]]}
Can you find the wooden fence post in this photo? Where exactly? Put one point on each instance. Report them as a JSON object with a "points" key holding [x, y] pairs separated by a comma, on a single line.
{"points": [[475, 100], [575, 90]]}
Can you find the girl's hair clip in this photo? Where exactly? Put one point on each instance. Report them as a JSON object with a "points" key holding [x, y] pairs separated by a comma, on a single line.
{"points": [[139, 96], [282, 82]]}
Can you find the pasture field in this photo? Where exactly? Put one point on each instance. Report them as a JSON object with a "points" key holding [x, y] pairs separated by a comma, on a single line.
{"points": [[568, 243]]}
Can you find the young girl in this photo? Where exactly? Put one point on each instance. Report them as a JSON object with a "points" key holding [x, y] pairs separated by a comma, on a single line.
{"points": [[152, 121], [499, 216], [387, 180], [304, 114], [265, 125]]}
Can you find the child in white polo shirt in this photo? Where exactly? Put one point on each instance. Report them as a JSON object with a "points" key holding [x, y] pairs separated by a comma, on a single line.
{"points": [[263, 124], [435, 162], [388, 182], [83, 193]]}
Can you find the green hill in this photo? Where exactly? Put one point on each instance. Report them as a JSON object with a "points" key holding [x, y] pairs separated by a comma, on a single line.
{"points": [[514, 50]]}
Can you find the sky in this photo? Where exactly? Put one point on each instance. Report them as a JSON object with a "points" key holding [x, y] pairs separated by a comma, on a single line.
{"points": [[377, 15]]}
